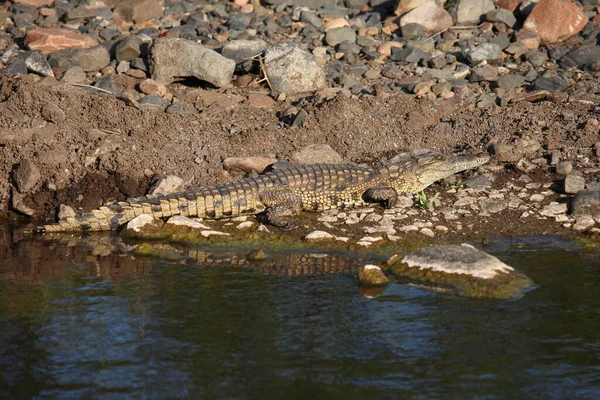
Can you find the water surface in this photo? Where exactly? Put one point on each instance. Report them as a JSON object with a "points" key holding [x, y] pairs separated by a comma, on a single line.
{"points": [[77, 324]]}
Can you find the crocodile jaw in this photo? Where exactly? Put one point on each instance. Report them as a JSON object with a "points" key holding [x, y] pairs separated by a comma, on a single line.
{"points": [[437, 167]]}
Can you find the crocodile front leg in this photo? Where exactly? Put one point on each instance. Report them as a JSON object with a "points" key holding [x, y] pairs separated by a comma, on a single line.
{"points": [[386, 196], [282, 206]]}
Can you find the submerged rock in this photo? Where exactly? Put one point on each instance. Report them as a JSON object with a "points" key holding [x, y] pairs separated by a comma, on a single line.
{"points": [[371, 275], [468, 271]]}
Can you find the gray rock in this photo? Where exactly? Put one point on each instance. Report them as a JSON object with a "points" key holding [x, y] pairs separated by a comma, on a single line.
{"points": [[16, 68], [26, 175], [411, 31], [502, 40], [392, 72], [240, 50], [478, 182], [108, 82], [586, 57], [335, 36], [553, 84], [510, 81], [93, 59], [173, 59], [317, 153], [489, 52], [74, 74], [586, 202], [129, 48], [314, 4], [292, 70], [501, 15], [167, 184], [36, 62], [181, 109], [409, 54], [537, 58], [454, 259], [311, 17], [574, 184], [564, 167]]}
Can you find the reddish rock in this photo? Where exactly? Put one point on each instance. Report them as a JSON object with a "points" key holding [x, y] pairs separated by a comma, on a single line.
{"points": [[140, 10], [247, 164], [48, 40], [510, 5], [260, 101], [35, 3], [555, 20]]}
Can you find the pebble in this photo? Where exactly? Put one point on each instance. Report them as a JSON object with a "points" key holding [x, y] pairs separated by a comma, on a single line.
{"points": [[583, 223], [180, 220], [48, 40], [318, 235], [245, 225], [213, 233], [432, 17], [564, 167]]}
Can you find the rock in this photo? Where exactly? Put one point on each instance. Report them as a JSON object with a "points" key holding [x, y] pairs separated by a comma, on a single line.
{"points": [[510, 81], [584, 223], [26, 176], [18, 205], [544, 16], [472, 11], [586, 202], [371, 275], [530, 39], [501, 15], [574, 184], [241, 50], [65, 212], [35, 3], [292, 70], [257, 100], [467, 270], [213, 233], [489, 52], [433, 18], [554, 209], [317, 153], [93, 59], [564, 167], [180, 220], [52, 113], [129, 48], [152, 87], [405, 6], [167, 184], [139, 10], [478, 182], [172, 59], [510, 5], [506, 153], [553, 84], [108, 82], [74, 74], [411, 31], [409, 54], [16, 68], [585, 57], [492, 206], [244, 225], [336, 23], [36, 62], [141, 221], [248, 164], [318, 235], [338, 35], [48, 40]]}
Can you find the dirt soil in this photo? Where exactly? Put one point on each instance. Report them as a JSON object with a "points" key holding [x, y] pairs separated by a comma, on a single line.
{"points": [[91, 147]]}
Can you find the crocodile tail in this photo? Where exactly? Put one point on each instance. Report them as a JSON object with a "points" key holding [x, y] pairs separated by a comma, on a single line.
{"points": [[110, 217]]}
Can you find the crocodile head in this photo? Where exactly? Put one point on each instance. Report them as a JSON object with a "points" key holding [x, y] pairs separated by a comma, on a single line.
{"points": [[419, 169]]}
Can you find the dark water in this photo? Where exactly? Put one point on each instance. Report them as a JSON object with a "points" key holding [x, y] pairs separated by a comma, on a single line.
{"points": [[78, 325]]}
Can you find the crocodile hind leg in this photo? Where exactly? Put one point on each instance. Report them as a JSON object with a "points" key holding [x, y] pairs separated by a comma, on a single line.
{"points": [[282, 207], [386, 196]]}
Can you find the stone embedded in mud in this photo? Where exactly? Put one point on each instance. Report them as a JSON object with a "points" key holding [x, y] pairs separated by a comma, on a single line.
{"points": [[317, 153], [371, 275], [167, 184], [180, 220], [26, 176], [469, 271], [318, 235], [292, 70], [172, 59], [248, 164]]}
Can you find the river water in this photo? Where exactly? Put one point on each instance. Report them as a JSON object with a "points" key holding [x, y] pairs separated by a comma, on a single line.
{"points": [[81, 322]]}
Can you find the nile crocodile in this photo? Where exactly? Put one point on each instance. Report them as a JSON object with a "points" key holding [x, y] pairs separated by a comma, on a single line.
{"points": [[283, 193]]}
